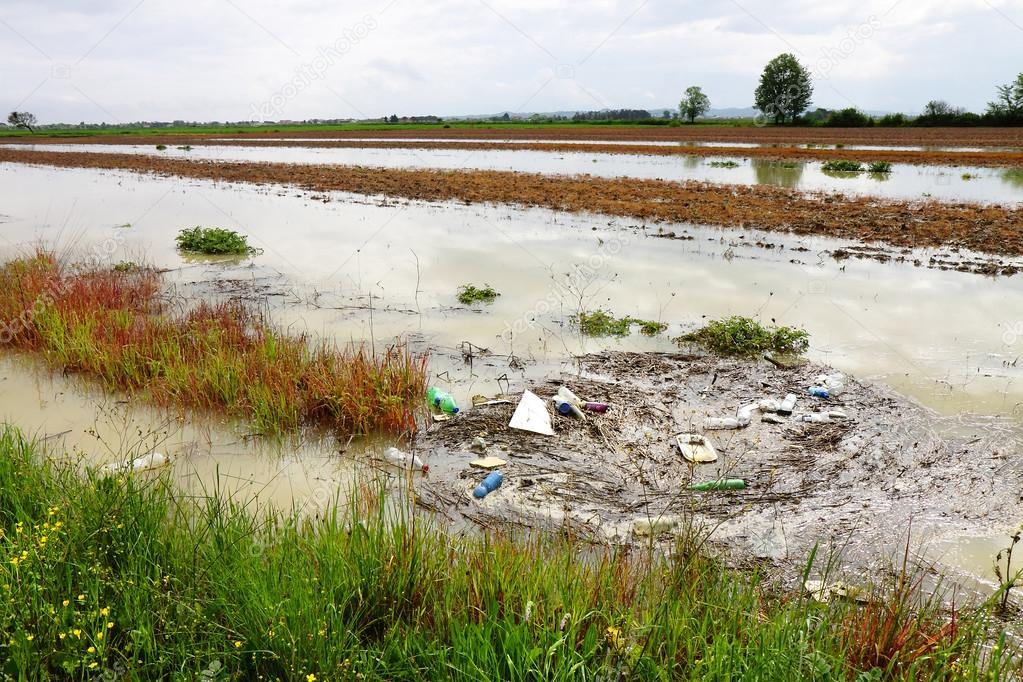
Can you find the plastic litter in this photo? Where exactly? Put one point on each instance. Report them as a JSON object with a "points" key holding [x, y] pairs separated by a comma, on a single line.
{"points": [[654, 526], [482, 400], [442, 400], [772, 419], [720, 484], [720, 423], [489, 485], [567, 408], [696, 448], [787, 405], [565, 393], [154, 460], [824, 592], [823, 417], [488, 462], [531, 415], [828, 385], [404, 460], [479, 444]]}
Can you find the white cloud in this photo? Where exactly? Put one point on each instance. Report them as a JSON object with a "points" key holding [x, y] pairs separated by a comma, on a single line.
{"points": [[217, 59]]}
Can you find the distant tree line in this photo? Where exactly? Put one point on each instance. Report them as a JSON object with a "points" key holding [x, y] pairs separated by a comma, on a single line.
{"points": [[612, 115]]}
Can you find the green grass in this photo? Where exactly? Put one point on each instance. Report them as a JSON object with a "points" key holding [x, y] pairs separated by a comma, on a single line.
{"points": [[880, 167], [600, 323], [723, 164], [842, 166], [744, 336], [469, 294], [214, 241], [220, 129], [124, 577]]}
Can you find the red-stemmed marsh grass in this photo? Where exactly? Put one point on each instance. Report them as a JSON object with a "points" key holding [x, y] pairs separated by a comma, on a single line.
{"points": [[111, 323]]}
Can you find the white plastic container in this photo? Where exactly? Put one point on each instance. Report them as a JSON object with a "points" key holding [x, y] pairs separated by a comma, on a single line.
{"points": [[403, 460]]}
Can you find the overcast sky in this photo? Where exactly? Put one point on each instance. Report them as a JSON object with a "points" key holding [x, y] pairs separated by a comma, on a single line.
{"points": [[120, 61]]}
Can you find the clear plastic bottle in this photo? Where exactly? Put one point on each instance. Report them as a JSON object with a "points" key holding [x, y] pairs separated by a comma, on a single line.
{"points": [[404, 460]]}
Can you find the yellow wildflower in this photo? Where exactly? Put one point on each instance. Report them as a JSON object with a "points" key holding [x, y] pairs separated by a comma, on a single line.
{"points": [[310, 678], [91, 650], [237, 644], [105, 611], [30, 637], [77, 633], [110, 624], [66, 602]]}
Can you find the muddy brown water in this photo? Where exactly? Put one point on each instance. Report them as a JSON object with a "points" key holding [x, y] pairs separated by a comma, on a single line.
{"points": [[370, 270]]}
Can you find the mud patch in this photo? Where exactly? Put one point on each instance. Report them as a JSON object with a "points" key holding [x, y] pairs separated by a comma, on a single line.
{"points": [[862, 479]]}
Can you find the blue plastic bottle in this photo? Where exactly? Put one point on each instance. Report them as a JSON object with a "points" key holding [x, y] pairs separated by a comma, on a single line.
{"points": [[489, 485], [819, 392]]}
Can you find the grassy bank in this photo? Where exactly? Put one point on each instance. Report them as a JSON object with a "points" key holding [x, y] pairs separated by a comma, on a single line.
{"points": [[120, 576], [110, 323]]}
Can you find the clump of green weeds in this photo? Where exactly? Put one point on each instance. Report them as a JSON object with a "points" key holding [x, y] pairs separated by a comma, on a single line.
{"points": [[744, 336], [880, 167], [601, 323], [186, 148], [126, 266], [214, 241], [469, 294], [723, 164], [160, 147], [842, 166]]}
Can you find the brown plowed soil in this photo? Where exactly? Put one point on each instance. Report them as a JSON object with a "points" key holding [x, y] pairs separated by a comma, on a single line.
{"points": [[951, 158], [985, 228]]}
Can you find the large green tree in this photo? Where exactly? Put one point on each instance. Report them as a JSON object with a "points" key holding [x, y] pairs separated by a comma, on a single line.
{"points": [[785, 89], [694, 103], [1010, 99]]}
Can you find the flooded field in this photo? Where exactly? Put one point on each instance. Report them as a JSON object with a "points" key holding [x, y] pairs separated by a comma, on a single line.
{"points": [[904, 181], [372, 270]]}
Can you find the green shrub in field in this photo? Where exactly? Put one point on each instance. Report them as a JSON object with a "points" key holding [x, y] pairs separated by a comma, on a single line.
{"points": [[601, 323], [880, 167], [214, 241], [745, 336], [469, 294], [841, 166]]}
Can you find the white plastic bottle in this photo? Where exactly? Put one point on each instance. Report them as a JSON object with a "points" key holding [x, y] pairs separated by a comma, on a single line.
{"points": [[405, 461]]}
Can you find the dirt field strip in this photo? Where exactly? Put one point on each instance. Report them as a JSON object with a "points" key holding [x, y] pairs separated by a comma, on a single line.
{"points": [[989, 229]]}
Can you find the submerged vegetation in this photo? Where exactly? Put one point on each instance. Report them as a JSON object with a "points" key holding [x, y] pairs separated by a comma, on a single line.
{"points": [[110, 323], [214, 241], [723, 164], [469, 294], [744, 336], [601, 323], [842, 166], [122, 576]]}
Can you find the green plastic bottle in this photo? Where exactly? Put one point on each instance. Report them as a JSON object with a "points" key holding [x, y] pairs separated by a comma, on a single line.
{"points": [[431, 395], [447, 403], [720, 484]]}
